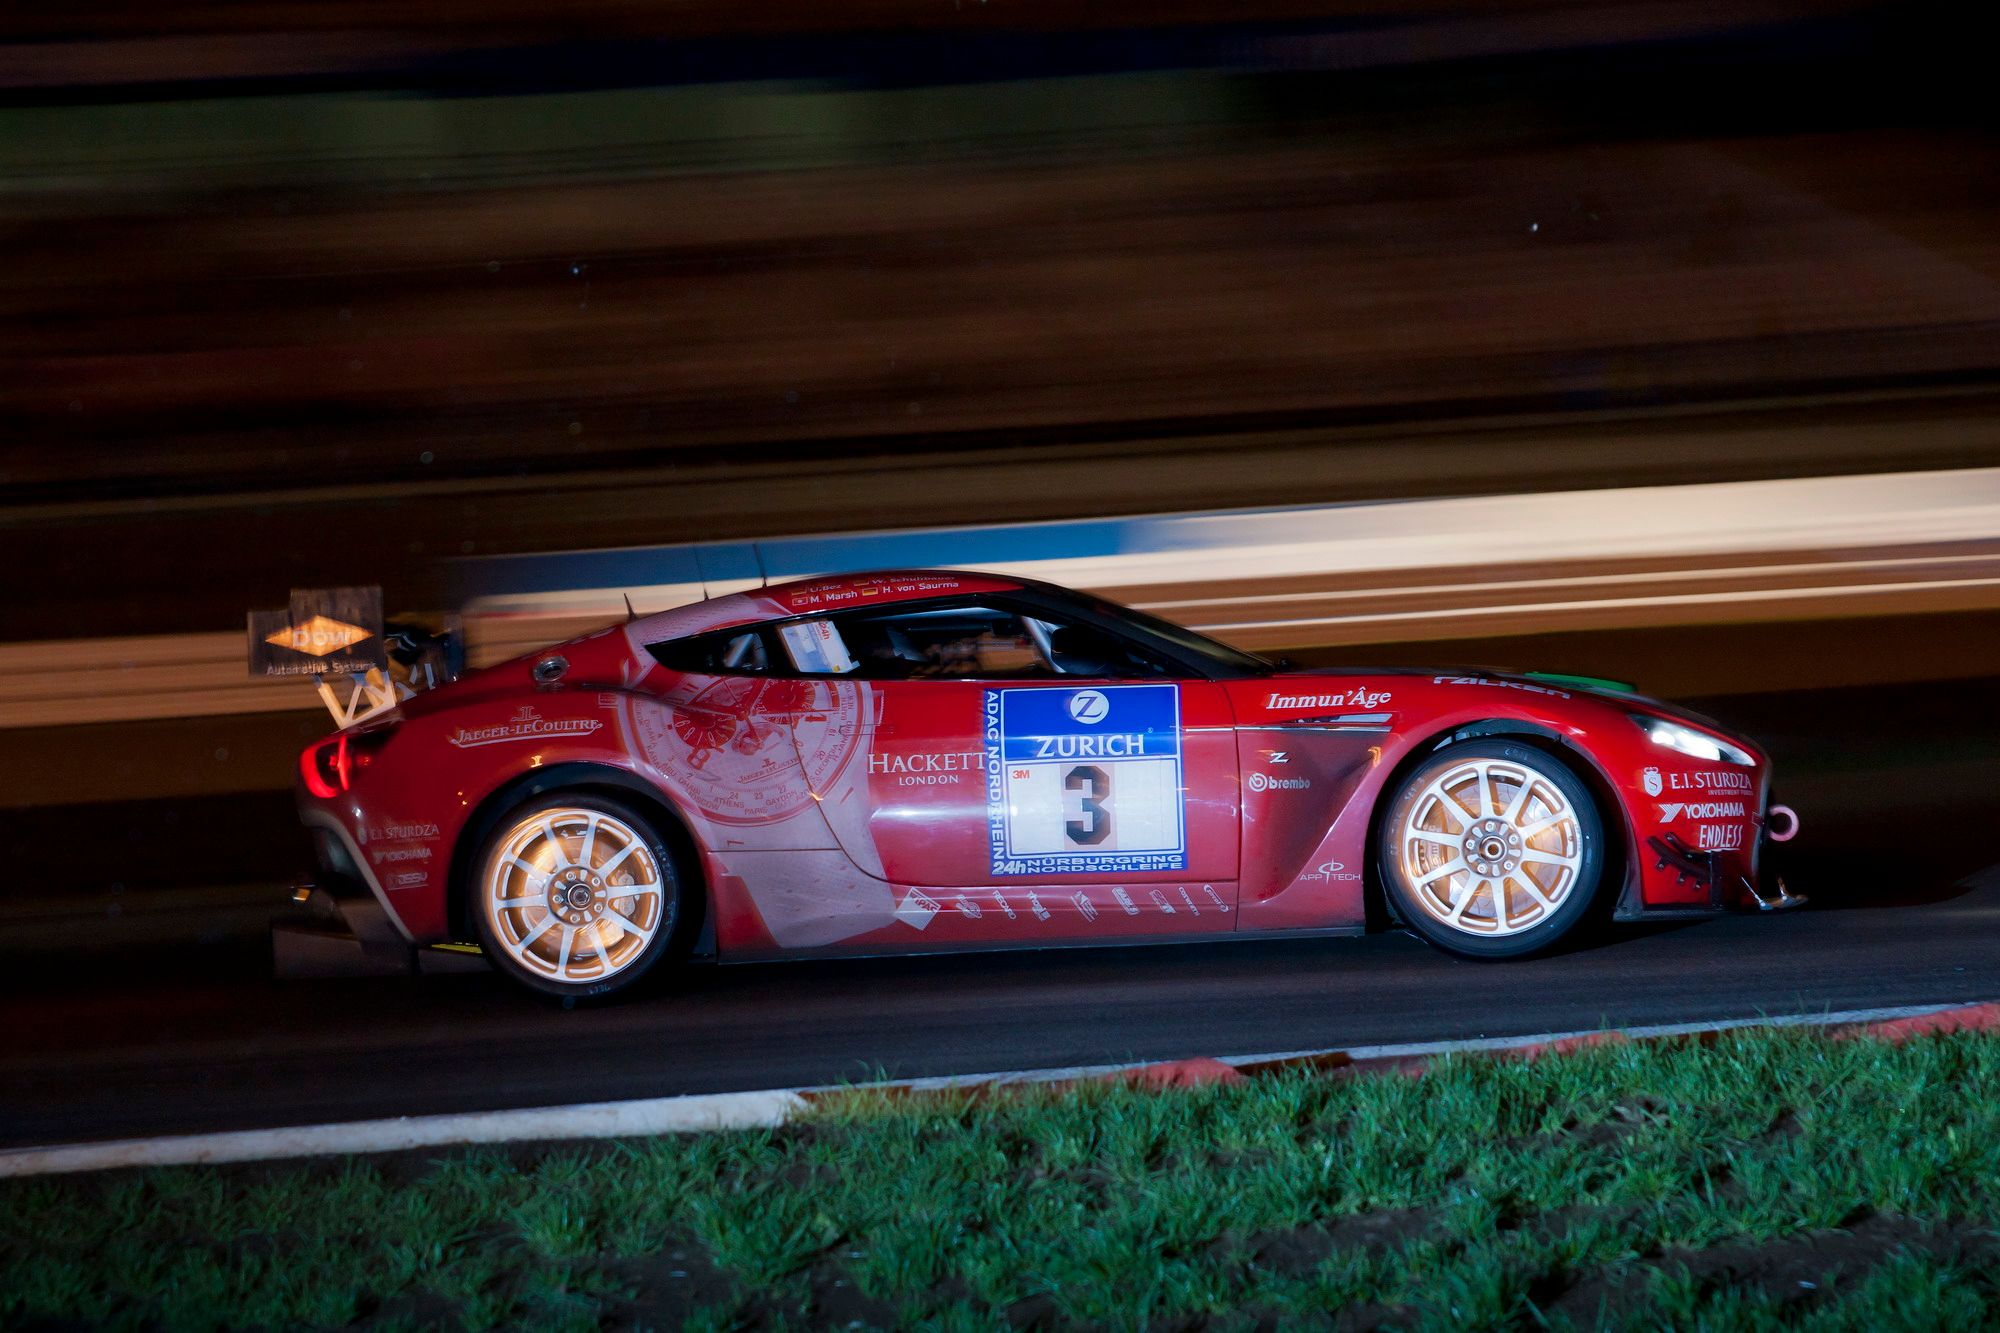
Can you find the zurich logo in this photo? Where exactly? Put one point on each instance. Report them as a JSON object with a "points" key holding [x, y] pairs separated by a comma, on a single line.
{"points": [[1089, 706]]}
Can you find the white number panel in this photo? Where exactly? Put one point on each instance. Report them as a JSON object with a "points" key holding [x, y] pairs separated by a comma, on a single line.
{"points": [[1084, 780]]}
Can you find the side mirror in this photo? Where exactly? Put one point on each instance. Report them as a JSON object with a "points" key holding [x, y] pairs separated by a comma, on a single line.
{"points": [[1079, 650]]}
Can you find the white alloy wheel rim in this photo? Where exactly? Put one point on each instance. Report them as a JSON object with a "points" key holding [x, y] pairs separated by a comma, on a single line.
{"points": [[1490, 847], [573, 895]]}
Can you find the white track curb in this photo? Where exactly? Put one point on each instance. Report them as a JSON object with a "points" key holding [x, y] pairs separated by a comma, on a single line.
{"points": [[745, 1110]]}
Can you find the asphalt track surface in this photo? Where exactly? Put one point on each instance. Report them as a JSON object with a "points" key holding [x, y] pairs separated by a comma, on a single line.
{"points": [[1895, 785]]}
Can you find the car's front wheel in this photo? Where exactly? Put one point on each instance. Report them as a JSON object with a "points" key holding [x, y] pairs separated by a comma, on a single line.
{"points": [[575, 895], [1492, 849]]}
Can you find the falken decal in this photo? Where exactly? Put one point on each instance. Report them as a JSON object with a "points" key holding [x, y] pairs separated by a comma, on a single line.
{"points": [[1489, 683], [1084, 780]]}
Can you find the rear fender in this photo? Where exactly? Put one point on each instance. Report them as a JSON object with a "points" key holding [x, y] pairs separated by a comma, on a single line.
{"points": [[579, 776]]}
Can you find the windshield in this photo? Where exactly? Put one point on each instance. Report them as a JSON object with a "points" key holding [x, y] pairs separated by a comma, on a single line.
{"points": [[1219, 658]]}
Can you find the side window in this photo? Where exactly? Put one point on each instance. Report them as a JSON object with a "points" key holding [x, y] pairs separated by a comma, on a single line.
{"points": [[1084, 650], [923, 643], [915, 643], [729, 652]]}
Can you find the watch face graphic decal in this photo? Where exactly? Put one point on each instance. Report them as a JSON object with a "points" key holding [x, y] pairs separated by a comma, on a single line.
{"points": [[754, 751], [1084, 780]]}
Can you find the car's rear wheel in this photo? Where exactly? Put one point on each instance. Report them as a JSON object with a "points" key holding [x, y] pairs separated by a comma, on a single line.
{"points": [[575, 895], [1492, 849]]}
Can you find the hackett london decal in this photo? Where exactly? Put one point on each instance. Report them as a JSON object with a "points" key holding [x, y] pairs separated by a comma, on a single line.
{"points": [[525, 725]]}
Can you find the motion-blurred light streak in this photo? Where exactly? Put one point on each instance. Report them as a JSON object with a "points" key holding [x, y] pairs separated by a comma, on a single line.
{"points": [[1801, 548]]}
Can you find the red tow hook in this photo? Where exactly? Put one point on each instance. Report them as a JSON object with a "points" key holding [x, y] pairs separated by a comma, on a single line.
{"points": [[1781, 823]]}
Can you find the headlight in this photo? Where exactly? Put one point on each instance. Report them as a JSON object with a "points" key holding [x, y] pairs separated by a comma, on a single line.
{"points": [[1688, 741]]}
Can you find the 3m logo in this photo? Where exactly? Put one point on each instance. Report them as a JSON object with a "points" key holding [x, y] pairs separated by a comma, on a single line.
{"points": [[318, 636]]}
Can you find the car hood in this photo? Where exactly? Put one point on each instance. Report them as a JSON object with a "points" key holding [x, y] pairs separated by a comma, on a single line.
{"points": [[1597, 689]]}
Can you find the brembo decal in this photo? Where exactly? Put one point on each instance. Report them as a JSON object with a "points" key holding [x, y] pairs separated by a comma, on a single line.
{"points": [[1085, 779], [525, 725]]}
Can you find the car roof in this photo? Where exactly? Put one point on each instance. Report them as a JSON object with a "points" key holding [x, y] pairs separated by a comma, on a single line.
{"points": [[837, 592]]}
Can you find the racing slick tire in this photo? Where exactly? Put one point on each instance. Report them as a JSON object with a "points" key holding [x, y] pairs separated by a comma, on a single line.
{"points": [[1491, 849], [575, 895]]}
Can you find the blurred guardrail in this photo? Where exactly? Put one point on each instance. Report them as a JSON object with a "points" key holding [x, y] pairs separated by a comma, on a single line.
{"points": [[1796, 549]]}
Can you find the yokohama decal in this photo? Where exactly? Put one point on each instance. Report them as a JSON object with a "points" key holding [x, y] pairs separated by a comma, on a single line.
{"points": [[1084, 780]]}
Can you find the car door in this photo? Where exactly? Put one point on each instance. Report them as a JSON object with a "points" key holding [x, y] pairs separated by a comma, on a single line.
{"points": [[1020, 793], [750, 751]]}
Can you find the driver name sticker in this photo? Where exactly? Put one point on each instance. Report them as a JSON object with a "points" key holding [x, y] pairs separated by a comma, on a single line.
{"points": [[1084, 780], [816, 648]]}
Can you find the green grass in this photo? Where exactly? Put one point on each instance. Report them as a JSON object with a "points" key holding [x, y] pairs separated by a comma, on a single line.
{"points": [[1685, 1186]]}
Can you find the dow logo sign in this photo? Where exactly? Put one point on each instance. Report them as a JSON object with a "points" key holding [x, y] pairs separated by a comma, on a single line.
{"points": [[1089, 706]]}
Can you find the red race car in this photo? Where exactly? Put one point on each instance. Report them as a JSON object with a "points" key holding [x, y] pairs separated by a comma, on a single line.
{"points": [[922, 761]]}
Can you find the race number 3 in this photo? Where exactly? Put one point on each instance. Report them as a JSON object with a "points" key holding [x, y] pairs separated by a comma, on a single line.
{"points": [[1092, 824], [1082, 780]]}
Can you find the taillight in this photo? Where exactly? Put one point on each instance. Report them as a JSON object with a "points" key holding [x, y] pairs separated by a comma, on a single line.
{"points": [[328, 768]]}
